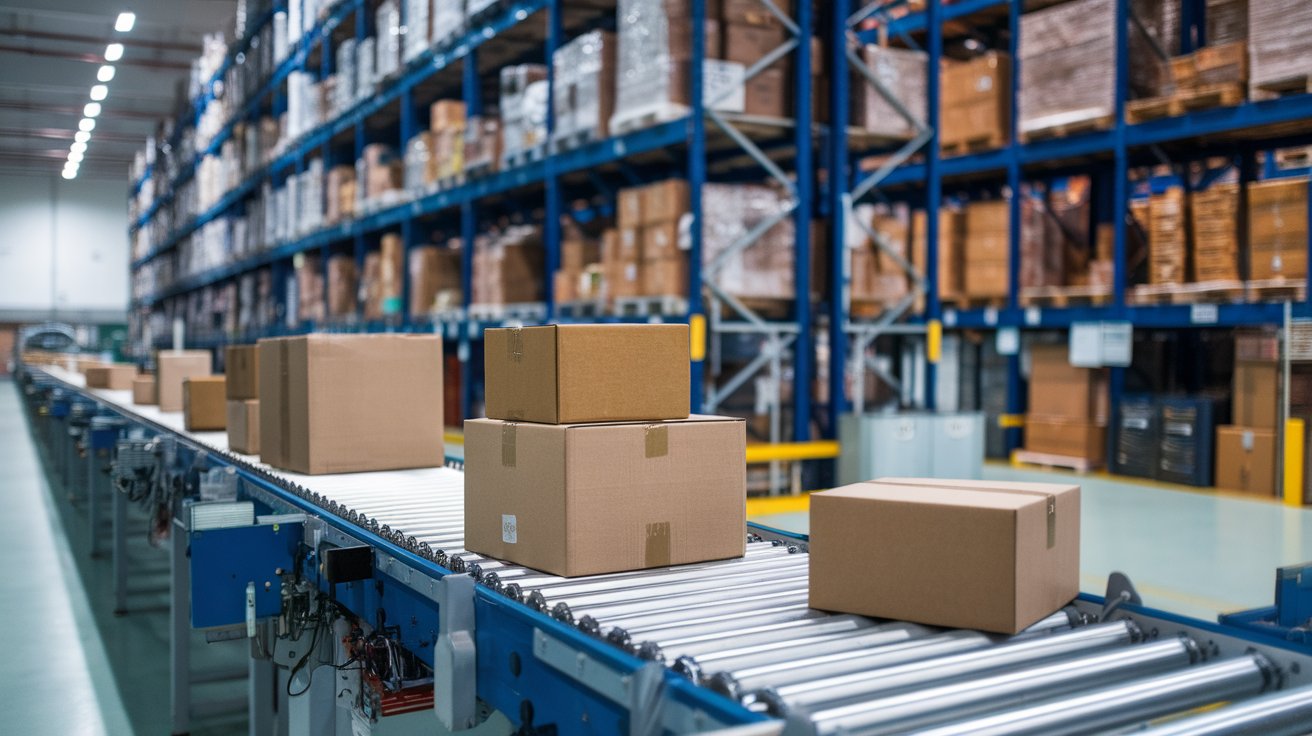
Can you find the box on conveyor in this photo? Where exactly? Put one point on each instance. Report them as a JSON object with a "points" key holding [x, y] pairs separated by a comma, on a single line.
{"points": [[172, 368], [204, 404], [113, 376], [981, 555], [241, 366], [584, 499], [143, 391], [565, 374], [333, 403], [244, 426]]}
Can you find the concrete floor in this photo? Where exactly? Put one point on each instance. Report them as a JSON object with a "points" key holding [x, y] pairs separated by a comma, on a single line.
{"points": [[74, 668]]}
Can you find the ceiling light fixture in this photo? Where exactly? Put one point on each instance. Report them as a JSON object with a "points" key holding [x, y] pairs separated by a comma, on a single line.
{"points": [[114, 52], [91, 109], [99, 92], [86, 125], [78, 146], [82, 136], [125, 22], [70, 173], [105, 74], [75, 157]]}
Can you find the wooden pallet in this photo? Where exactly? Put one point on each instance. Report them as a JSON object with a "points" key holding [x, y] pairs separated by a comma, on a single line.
{"points": [[1065, 296], [524, 157], [527, 313], [1208, 96], [1074, 127], [651, 306], [974, 302], [648, 118], [577, 139], [1150, 108], [1050, 461], [985, 142], [1295, 85], [1277, 290], [581, 308]]}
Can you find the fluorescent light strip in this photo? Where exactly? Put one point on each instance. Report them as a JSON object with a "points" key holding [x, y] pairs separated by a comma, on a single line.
{"points": [[114, 52], [105, 74], [125, 21]]}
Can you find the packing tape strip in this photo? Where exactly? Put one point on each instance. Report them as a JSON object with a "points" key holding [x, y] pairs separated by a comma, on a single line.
{"points": [[657, 440], [515, 344], [656, 551], [508, 444]]}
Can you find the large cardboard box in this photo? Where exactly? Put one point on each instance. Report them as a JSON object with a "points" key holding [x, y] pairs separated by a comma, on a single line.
{"points": [[1246, 460], [244, 426], [1277, 229], [564, 374], [1257, 393], [348, 403], [594, 498], [241, 366], [976, 103], [143, 391], [664, 201], [116, 377], [1061, 390], [959, 554], [1072, 438], [204, 404], [172, 368]]}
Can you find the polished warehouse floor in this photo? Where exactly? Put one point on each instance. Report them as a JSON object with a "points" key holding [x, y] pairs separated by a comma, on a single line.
{"points": [[75, 668]]}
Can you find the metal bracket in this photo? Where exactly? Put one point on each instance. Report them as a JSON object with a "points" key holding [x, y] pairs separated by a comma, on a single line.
{"points": [[1119, 592], [454, 654]]}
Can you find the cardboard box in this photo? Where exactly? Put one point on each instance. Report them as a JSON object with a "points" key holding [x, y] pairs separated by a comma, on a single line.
{"points": [[204, 403], [1246, 460], [172, 368], [446, 115], [143, 391], [565, 285], [959, 554], [623, 279], [115, 377], [629, 208], [244, 426], [432, 271], [987, 248], [241, 366], [1167, 246], [665, 276], [660, 240], [1060, 390], [1277, 229], [1067, 437], [748, 44], [586, 499], [335, 403], [976, 102], [1257, 394], [664, 201], [752, 12], [766, 94], [577, 254], [564, 374]]}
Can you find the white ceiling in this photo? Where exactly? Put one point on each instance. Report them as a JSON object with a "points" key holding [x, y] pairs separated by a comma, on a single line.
{"points": [[50, 51]]}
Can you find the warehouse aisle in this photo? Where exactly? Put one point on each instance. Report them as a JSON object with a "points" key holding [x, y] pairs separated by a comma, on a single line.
{"points": [[56, 677], [1198, 553]]}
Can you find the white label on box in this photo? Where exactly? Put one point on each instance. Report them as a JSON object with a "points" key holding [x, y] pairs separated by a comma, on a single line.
{"points": [[723, 85], [1246, 440], [509, 529], [1203, 314]]}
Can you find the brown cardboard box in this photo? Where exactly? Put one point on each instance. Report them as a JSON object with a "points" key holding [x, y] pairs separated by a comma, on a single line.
{"points": [[432, 271], [748, 44], [664, 201], [84, 363], [446, 115], [665, 276], [623, 279], [752, 12], [766, 94], [660, 240], [959, 554], [585, 499], [1246, 460], [204, 404], [976, 102], [241, 366], [1071, 438], [951, 247], [1167, 246], [1059, 390], [566, 285], [577, 254], [561, 374], [1257, 394], [113, 376], [987, 250], [629, 208], [1214, 217], [1277, 229], [172, 368], [143, 391], [244, 426], [333, 403], [343, 285]]}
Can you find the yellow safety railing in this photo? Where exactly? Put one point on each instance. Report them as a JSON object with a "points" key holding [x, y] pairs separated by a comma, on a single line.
{"points": [[792, 451], [1293, 490]]}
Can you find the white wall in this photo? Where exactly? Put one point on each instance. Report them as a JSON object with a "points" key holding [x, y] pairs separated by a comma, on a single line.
{"points": [[63, 249]]}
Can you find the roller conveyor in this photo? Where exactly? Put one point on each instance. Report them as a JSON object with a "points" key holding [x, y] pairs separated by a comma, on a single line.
{"points": [[736, 643]]}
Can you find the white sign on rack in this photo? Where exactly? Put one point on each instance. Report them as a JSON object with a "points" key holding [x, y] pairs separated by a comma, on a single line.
{"points": [[1099, 344]]}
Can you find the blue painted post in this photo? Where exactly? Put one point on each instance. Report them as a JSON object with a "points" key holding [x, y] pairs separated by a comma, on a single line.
{"points": [[1015, 382], [409, 228], [804, 350], [551, 227], [933, 186], [471, 93], [839, 114], [1121, 204], [696, 177]]}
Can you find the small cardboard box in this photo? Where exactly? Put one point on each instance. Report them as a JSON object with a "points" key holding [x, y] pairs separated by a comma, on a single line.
{"points": [[241, 366], [204, 404], [1257, 394], [172, 368], [594, 498], [981, 555], [1069, 437], [565, 374], [664, 201], [629, 208], [349, 403], [1246, 460], [244, 426], [1059, 389], [143, 391], [115, 377]]}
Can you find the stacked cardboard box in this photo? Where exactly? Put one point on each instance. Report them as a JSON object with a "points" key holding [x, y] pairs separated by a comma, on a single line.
{"points": [[309, 288], [750, 33], [578, 253], [242, 369], [588, 432], [508, 266], [523, 109], [343, 286], [976, 108], [765, 269], [903, 73], [951, 248], [387, 389], [1280, 42], [446, 127], [987, 250], [341, 194], [1168, 261], [434, 278], [1277, 229], [876, 276], [662, 244], [381, 172], [1214, 222], [1227, 21], [584, 86], [1067, 406], [1246, 450], [482, 143]]}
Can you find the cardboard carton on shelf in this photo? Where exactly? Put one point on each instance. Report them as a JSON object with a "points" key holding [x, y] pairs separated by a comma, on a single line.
{"points": [[665, 276], [115, 377], [1256, 393], [204, 404], [663, 201], [584, 499], [1246, 460], [1061, 390], [244, 426], [335, 403], [143, 391], [1067, 437], [172, 368], [976, 108], [561, 374], [981, 555], [1277, 229], [241, 366]]}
